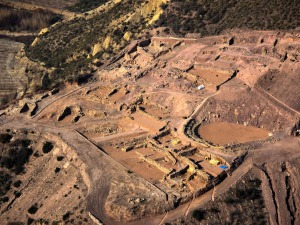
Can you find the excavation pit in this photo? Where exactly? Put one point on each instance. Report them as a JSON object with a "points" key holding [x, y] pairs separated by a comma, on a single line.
{"points": [[135, 164], [148, 122], [155, 111], [213, 170], [212, 76]]}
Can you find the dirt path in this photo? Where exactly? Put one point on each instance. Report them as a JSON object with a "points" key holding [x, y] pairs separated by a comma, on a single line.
{"points": [[279, 167], [187, 208], [101, 175], [199, 107], [103, 171], [100, 170]]}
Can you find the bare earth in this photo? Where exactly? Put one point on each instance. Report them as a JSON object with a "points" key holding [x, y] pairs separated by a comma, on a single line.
{"points": [[142, 145], [222, 133]]}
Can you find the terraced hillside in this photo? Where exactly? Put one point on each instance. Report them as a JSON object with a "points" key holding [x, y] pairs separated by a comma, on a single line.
{"points": [[9, 82]]}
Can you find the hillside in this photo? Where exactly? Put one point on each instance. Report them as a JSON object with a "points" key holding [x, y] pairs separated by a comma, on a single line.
{"points": [[208, 17], [77, 47], [129, 112], [20, 20], [59, 4], [162, 131]]}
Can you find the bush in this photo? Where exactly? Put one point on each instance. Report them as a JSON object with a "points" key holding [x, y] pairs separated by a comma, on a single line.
{"points": [[33, 209], [15, 155], [5, 138], [199, 214], [5, 183], [17, 183], [66, 216], [57, 170], [4, 199], [47, 147], [229, 200], [77, 37]]}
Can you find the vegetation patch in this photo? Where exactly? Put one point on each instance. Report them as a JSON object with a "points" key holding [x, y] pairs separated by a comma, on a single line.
{"points": [[33, 209], [16, 155], [47, 147], [198, 214], [241, 204], [5, 138], [16, 20], [17, 183], [212, 17], [67, 48], [66, 216]]}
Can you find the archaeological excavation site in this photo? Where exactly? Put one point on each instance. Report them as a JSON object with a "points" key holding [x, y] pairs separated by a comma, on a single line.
{"points": [[113, 116]]}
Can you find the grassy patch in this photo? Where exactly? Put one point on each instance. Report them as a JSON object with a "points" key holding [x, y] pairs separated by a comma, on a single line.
{"points": [[212, 17]]}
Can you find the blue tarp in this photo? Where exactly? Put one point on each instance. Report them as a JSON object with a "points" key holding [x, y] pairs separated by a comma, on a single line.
{"points": [[223, 167]]}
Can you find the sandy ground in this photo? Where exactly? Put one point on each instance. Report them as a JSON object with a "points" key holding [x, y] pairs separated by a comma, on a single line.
{"points": [[214, 77], [136, 165], [222, 133]]}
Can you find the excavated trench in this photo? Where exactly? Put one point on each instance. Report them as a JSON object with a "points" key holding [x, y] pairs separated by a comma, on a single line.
{"points": [[290, 198], [264, 170]]}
